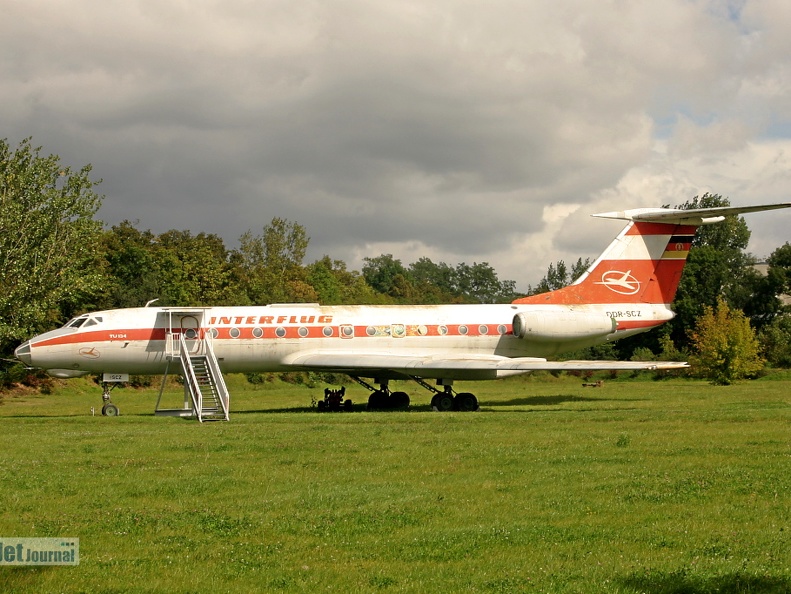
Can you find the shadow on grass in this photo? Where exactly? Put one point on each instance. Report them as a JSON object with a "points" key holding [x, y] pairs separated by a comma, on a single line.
{"points": [[544, 400], [680, 582]]}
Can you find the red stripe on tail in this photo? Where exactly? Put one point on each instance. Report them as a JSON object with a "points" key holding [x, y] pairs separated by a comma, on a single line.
{"points": [[642, 265]]}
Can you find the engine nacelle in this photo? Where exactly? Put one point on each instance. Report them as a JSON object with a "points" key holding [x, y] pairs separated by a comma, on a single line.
{"points": [[561, 326]]}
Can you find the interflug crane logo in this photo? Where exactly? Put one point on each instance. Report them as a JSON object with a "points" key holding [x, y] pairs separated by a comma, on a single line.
{"points": [[620, 282]]}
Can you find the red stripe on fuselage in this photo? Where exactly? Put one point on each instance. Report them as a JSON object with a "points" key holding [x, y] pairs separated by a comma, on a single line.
{"points": [[288, 332]]}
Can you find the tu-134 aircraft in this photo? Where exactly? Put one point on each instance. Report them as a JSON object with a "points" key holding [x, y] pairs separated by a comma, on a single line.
{"points": [[627, 290]]}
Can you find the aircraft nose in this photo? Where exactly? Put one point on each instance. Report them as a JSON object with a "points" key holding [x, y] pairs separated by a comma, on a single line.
{"points": [[22, 353]]}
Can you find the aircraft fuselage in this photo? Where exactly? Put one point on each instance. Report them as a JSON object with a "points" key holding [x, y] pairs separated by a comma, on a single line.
{"points": [[267, 338]]}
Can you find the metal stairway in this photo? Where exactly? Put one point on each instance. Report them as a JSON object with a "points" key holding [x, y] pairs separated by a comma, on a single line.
{"points": [[204, 380], [206, 396]]}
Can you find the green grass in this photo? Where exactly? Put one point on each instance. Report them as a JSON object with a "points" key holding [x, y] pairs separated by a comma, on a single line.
{"points": [[671, 486]]}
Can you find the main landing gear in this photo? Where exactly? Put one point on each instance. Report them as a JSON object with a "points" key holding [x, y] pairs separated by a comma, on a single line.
{"points": [[442, 401], [447, 400], [108, 409], [383, 398]]}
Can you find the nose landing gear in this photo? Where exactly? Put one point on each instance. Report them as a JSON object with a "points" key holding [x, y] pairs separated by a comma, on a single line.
{"points": [[108, 408]]}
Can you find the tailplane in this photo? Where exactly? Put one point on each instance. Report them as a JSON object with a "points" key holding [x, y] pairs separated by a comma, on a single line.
{"points": [[644, 262]]}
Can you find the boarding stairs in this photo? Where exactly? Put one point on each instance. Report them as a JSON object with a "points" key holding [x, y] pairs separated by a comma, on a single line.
{"points": [[206, 396]]}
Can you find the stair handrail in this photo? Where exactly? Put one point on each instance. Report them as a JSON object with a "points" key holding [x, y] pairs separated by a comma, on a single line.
{"points": [[216, 372], [190, 378]]}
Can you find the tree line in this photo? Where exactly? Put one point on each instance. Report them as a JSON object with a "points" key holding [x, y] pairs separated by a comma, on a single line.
{"points": [[58, 260]]}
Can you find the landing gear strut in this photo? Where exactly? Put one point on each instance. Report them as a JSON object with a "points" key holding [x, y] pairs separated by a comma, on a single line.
{"points": [[108, 408]]}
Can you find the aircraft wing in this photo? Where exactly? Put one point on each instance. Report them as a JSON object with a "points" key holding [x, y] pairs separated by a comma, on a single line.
{"points": [[456, 366]]}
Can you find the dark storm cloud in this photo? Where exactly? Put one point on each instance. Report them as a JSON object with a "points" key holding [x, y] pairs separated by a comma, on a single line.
{"points": [[453, 130]]}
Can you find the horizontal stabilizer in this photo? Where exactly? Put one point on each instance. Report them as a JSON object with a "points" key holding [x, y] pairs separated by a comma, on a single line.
{"points": [[695, 216]]}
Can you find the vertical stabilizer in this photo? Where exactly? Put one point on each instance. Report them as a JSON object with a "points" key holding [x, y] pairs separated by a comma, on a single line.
{"points": [[642, 265]]}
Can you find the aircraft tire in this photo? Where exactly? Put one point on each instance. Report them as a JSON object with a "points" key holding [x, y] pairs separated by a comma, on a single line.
{"points": [[444, 402], [378, 400], [110, 410], [399, 400], [347, 405], [435, 402], [466, 402], [322, 405]]}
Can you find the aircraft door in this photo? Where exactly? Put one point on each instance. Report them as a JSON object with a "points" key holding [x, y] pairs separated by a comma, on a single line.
{"points": [[190, 327], [188, 324]]}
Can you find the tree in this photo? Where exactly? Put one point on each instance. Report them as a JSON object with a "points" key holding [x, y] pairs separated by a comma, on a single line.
{"points": [[271, 263], [479, 284], [775, 340], [48, 240], [764, 304], [387, 275], [334, 285], [558, 276], [717, 266], [132, 272], [725, 345], [434, 282]]}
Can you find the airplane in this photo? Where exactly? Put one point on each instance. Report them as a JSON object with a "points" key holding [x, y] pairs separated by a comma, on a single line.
{"points": [[629, 289]]}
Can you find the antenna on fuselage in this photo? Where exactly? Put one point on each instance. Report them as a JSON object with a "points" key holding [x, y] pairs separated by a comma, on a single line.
{"points": [[152, 301]]}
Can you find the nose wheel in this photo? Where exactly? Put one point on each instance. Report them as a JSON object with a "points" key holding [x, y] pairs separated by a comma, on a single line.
{"points": [[108, 408]]}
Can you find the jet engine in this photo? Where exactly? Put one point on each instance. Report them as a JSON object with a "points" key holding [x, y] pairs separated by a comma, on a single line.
{"points": [[559, 326]]}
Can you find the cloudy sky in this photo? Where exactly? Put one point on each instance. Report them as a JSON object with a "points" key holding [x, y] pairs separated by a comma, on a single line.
{"points": [[458, 130]]}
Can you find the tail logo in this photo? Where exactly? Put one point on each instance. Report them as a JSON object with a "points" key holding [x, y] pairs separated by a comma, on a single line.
{"points": [[620, 282]]}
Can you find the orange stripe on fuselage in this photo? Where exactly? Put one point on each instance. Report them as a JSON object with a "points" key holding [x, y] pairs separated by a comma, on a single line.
{"points": [[290, 332]]}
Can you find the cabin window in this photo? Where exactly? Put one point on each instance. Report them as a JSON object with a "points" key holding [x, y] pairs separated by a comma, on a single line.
{"points": [[258, 332], [214, 332], [370, 331], [463, 330], [501, 329], [280, 332], [327, 331], [483, 329], [234, 332], [190, 334], [303, 332], [443, 330]]}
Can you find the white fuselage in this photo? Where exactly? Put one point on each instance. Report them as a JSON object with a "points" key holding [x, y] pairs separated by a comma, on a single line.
{"points": [[267, 338]]}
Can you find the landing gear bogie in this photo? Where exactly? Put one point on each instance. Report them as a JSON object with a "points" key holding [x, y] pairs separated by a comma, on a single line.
{"points": [[465, 402]]}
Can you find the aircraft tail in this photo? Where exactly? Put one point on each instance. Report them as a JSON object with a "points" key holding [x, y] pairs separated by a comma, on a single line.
{"points": [[644, 263]]}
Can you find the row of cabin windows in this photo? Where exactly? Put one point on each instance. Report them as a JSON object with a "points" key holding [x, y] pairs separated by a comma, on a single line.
{"points": [[346, 331]]}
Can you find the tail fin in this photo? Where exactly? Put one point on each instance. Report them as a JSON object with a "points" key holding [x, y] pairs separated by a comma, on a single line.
{"points": [[644, 263]]}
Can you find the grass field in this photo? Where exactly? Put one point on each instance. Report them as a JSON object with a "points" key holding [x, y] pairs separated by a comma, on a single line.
{"points": [[650, 486]]}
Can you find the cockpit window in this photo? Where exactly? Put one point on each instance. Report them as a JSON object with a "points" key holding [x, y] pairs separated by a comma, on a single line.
{"points": [[83, 321], [76, 322]]}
